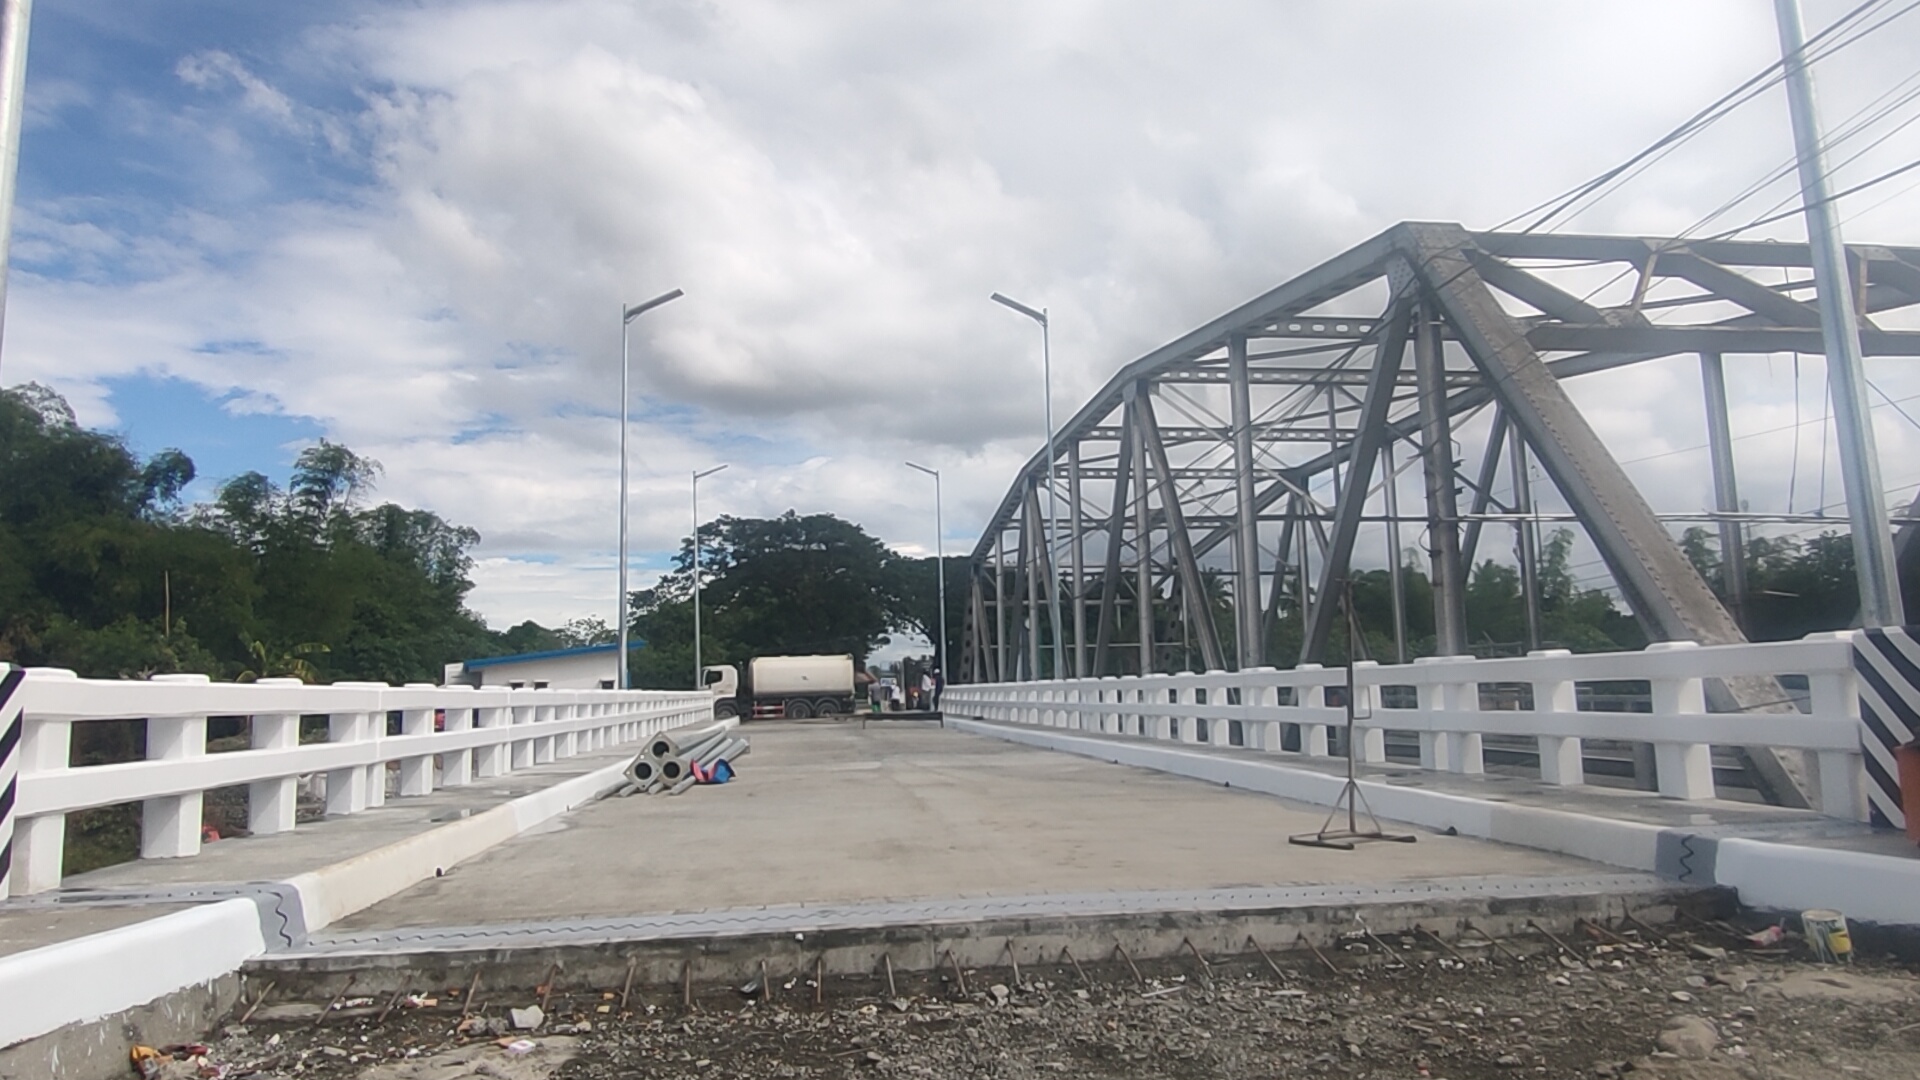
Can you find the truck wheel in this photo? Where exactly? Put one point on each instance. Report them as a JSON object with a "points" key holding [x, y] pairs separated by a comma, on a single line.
{"points": [[724, 710], [798, 709], [827, 706]]}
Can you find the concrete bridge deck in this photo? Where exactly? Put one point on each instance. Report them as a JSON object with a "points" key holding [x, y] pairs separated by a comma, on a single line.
{"points": [[832, 812]]}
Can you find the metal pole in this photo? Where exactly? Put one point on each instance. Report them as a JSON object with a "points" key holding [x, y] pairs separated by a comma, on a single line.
{"points": [[620, 613], [1078, 538], [16, 17], [1873, 557], [940, 565], [1527, 541], [940, 562], [627, 315], [1053, 509], [697, 668], [1246, 546], [1726, 488], [1052, 531], [696, 581]]}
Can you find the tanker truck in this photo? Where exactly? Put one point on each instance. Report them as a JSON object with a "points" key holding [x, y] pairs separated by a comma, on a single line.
{"points": [[795, 687]]}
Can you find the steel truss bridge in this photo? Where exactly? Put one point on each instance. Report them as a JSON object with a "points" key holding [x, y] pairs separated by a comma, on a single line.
{"points": [[1253, 456]]}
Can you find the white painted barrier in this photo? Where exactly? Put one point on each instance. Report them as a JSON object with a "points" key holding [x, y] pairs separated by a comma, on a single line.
{"points": [[447, 736], [1254, 708]]}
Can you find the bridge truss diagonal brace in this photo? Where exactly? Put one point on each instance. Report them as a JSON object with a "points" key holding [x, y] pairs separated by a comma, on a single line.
{"points": [[1659, 584], [1180, 541], [1374, 433]]}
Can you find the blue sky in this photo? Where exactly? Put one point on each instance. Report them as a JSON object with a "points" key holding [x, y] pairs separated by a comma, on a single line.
{"points": [[409, 226]]}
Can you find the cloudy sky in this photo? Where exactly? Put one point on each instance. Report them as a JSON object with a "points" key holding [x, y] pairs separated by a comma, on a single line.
{"points": [[410, 226]]}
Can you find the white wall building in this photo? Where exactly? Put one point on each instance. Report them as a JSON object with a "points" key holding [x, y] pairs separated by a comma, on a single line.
{"points": [[588, 667]]}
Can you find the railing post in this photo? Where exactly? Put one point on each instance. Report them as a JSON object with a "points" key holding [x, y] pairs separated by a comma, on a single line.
{"points": [[348, 789], [1685, 769], [1372, 746], [11, 723], [416, 773], [456, 766], [1832, 695], [1431, 699], [46, 745], [272, 804], [170, 824], [1561, 761], [523, 716], [545, 714], [495, 711], [1313, 732]]}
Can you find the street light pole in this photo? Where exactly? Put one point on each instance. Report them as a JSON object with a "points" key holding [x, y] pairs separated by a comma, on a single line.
{"points": [[696, 571], [939, 562], [627, 315], [1039, 315]]}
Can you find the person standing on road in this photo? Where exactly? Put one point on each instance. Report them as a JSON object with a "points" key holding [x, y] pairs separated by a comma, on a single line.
{"points": [[939, 688], [926, 690]]}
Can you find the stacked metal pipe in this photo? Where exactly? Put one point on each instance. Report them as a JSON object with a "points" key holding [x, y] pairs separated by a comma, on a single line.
{"points": [[671, 759]]}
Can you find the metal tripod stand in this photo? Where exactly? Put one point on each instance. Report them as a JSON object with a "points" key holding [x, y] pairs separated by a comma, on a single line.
{"points": [[1351, 797]]}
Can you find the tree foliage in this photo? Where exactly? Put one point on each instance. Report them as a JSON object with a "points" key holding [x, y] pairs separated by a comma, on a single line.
{"points": [[103, 569], [791, 585]]}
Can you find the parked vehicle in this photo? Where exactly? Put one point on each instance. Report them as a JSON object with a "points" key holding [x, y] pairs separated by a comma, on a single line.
{"points": [[794, 687]]}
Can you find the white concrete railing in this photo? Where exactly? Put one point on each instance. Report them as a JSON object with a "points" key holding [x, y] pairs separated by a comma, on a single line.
{"points": [[449, 736], [1450, 722]]}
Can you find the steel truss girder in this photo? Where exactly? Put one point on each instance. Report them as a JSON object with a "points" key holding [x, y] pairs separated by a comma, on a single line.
{"points": [[1682, 306]]}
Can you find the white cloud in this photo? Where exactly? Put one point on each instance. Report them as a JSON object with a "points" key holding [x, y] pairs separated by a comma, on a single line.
{"points": [[837, 187]]}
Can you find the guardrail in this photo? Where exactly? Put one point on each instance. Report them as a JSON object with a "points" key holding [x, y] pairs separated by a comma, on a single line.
{"points": [[1442, 700], [447, 736]]}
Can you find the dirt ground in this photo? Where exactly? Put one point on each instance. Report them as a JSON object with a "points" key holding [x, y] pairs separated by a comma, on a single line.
{"points": [[1673, 1003]]}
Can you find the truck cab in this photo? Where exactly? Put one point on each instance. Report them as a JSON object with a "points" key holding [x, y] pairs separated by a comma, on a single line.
{"points": [[724, 681]]}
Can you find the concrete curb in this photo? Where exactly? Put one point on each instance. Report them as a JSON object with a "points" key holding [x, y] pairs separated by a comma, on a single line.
{"points": [[101, 974], [77, 981], [1766, 874]]}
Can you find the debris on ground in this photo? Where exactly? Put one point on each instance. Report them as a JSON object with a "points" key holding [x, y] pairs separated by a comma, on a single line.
{"points": [[1622, 1002]]}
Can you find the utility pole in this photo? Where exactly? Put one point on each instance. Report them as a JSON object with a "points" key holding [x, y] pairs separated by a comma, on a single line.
{"points": [[15, 17], [1873, 556]]}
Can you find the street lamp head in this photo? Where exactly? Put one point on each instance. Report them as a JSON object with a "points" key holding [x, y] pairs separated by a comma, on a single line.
{"points": [[707, 473], [648, 305], [1007, 301], [930, 472]]}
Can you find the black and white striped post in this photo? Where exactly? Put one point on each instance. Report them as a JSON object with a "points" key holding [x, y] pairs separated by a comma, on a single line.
{"points": [[1887, 663], [10, 679]]}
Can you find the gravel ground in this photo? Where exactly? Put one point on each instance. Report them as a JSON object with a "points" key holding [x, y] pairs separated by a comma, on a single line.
{"points": [[1692, 1002]]}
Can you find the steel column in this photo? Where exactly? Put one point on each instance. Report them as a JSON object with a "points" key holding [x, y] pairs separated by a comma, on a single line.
{"points": [[1031, 545], [1079, 561], [1000, 606], [1726, 487], [1397, 588], [1443, 508], [1246, 594], [1142, 529], [1116, 533]]}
